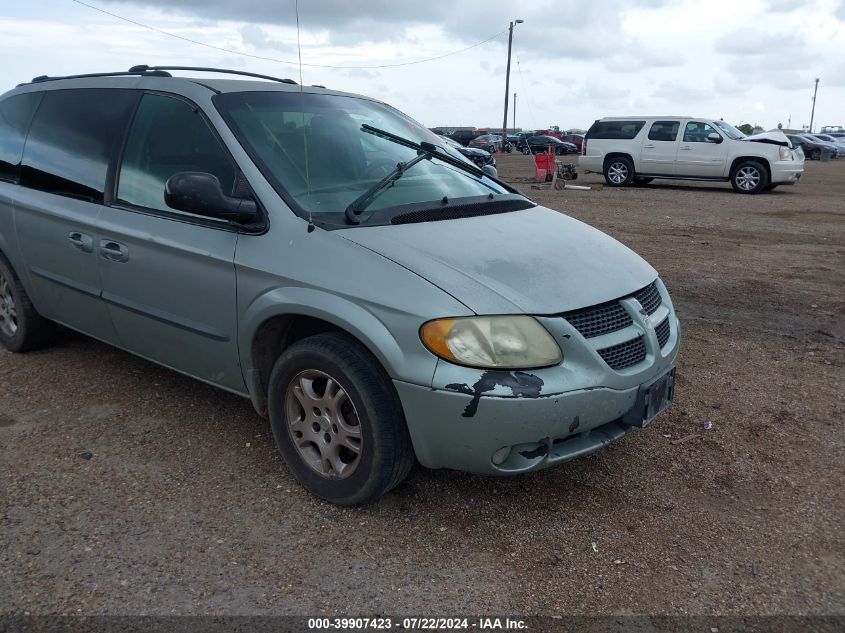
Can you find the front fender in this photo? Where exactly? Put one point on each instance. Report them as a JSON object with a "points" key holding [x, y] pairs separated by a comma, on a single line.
{"points": [[364, 325]]}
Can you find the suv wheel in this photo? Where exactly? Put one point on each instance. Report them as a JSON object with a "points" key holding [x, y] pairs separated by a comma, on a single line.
{"points": [[21, 328], [619, 172], [337, 420], [749, 177]]}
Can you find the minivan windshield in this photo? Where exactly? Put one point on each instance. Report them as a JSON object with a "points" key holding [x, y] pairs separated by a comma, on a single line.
{"points": [[315, 152]]}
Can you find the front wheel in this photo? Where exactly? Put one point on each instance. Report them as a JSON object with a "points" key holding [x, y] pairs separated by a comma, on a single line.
{"points": [[749, 177], [337, 420], [619, 172]]}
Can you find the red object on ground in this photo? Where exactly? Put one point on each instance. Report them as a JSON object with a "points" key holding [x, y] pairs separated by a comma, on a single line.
{"points": [[544, 166]]}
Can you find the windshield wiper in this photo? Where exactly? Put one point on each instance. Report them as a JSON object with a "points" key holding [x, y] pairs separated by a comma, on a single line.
{"points": [[424, 149], [357, 205]]}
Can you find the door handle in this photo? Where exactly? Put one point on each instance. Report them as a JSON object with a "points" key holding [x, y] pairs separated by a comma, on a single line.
{"points": [[83, 242], [686, 147], [649, 146], [114, 251]]}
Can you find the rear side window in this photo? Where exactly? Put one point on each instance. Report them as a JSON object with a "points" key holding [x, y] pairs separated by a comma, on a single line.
{"points": [[664, 131], [72, 140], [168, 136], [625, 130], [15, 116]]}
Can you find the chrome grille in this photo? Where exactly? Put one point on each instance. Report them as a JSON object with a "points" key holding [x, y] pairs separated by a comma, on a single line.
{"points": [[625, 354], [611, 316], [662, 330]]}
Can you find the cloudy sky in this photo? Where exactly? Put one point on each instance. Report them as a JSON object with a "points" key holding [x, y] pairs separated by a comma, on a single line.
{"points": [[574, 60]]}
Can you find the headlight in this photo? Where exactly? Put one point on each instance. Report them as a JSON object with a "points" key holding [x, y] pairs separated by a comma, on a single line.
{"points": [[500, 342]]}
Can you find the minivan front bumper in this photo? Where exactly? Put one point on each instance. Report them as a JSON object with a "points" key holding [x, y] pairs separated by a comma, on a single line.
{"points": [[509, 422]]}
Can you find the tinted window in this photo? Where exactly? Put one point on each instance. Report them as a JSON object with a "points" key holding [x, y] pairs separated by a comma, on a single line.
{"points": [[73, 136], [664, 130], [625, 130], [169, 136], [697, 132], [15, 115]]}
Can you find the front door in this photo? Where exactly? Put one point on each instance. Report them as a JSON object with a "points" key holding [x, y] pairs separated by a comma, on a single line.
{"points": [[168, 276], [660, 148], [698, 154]]}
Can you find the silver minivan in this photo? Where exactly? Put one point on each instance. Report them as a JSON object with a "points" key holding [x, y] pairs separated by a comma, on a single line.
{"points": [[376, 295]]}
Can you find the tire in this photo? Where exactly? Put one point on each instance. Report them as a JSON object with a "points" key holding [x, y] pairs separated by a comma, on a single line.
{"points": [[619, 172], [368, 419], [749, 177], [22, 329], [526, 150], [641, 180], [816, 155]]}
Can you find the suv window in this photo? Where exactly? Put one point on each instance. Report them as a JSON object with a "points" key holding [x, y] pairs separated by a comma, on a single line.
{"points": [[73, 138], [168, 136], [625, 130], [664, 131], [697, 132], [15, 116]]}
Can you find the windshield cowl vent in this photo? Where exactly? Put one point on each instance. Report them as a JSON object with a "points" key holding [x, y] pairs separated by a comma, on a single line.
{"points": [[462, 211]]}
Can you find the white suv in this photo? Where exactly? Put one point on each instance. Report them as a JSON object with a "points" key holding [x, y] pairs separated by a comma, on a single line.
{"points": [[636, 150]]}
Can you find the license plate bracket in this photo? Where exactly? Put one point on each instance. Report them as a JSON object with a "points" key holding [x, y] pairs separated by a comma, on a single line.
{"points": [[653, 398]]}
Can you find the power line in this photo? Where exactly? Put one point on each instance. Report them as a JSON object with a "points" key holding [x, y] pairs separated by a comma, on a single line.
{"points": [[281, 61]]}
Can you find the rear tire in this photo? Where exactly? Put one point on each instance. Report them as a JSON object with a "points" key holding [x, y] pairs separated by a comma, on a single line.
{"points": [[22, 329], [526, 150], [619, 172], [749, 177], [345, 441]]}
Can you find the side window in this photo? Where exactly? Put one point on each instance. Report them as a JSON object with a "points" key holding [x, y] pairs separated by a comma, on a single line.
{"points": [[697, 132], [664, 131], [15, 116], [72, 140], [168, 136]]}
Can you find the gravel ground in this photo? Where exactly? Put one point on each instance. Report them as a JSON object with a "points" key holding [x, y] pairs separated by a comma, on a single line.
{"points": [[126, 488]]}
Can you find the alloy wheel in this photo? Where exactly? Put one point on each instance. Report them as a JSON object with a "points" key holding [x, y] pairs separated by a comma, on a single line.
{"points": [[8, 311], [747, 178], [323, 424], [617, 173]]}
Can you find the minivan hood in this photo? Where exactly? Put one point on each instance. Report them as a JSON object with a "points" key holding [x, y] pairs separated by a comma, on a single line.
{"points": [[536, 261]]}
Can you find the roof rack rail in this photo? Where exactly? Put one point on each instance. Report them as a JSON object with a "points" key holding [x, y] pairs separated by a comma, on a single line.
{"points": [[132, 72], [149, 69]]}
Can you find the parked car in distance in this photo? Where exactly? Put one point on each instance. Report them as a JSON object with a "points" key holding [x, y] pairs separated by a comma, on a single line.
{"points": [[576, 139], [488, 142], [464, 136], [367, 289], [811, 147], [837, 143], [478, 156], [540, 143], [636, 150]]}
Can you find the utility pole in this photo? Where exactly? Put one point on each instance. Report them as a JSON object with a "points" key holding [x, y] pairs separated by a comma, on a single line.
{"points": [[812, 112], [507, 83], [514, 111]]}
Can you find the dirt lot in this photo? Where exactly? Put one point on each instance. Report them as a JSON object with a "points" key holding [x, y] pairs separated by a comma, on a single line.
{"points": [[126, 488]]}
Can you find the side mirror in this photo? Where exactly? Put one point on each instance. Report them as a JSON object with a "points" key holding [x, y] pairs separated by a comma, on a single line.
{"points": [[714, 138], [200, 193], [490, 171]]}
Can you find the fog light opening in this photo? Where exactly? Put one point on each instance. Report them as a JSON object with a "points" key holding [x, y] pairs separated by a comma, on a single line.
{"points": [[501, 455]]}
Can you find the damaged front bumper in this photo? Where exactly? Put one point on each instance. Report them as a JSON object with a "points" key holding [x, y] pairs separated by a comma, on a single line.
{"points": [[508, 422]]}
